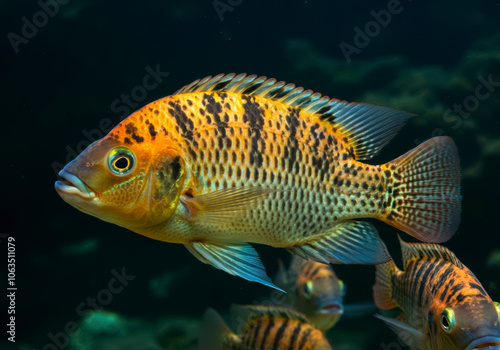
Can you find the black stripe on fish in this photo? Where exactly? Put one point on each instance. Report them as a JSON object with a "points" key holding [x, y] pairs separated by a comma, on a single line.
{"points": [[413, 282], [426, 277], [185, 123], [295, 335], [307, 270], [279, 334], [442, 278], [305, 336], [215, 108], [448, 272], [152, 131], [253, 338], [292, 120], [270, 325], [435, 282], [478, 287], [254, 115], [315, 271]]}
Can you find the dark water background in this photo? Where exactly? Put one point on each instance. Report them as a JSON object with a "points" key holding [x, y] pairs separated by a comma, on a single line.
{"points": [[66, 79]]}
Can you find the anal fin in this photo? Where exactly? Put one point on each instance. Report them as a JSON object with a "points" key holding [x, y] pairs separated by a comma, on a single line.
{"points": [[349, 242], [238, 259]]}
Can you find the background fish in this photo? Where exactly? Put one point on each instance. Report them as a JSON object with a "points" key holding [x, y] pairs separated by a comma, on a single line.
{"points": [[444, 305], [236, 159], [264, 327], [314, 289]]}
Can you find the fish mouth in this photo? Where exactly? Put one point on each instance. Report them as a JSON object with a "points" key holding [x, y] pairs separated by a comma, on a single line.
{"points": [[331, 307], [73, 185], [490, 342]]}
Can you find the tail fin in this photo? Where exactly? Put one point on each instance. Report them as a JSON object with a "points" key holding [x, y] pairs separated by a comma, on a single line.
{"points": [[382, 290], [425, 188], [214, 333]]}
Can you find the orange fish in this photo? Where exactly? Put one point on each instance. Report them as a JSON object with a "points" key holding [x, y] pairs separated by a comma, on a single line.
{"points": [[444, 305], [264, 328], [314, 289], [232, 160]]}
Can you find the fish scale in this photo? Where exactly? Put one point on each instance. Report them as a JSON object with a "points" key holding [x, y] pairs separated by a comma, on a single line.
{"points": [[236, 159]]}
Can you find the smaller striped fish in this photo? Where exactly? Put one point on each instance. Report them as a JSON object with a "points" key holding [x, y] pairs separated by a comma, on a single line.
{"points": [[264, 327], [315, 290], [444, 305]]}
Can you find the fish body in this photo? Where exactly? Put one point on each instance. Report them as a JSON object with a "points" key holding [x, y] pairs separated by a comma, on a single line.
{"points": [[232, 160], [314, 289], [264, 328], [444, 305]]}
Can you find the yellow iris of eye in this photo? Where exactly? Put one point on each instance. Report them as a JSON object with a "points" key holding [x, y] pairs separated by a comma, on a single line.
{"points": [[342, 287], [447, 319], [121, 161], [307, 289], [497, 306]]}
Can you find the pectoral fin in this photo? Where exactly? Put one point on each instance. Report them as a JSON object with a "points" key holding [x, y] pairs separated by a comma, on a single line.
{"points": [[415, 339], [349, 242], [238, 259], [223, 205]]}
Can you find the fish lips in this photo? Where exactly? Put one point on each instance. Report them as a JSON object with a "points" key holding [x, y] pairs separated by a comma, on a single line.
{"points": [[331, 307], [489, 342], [72, 185]]}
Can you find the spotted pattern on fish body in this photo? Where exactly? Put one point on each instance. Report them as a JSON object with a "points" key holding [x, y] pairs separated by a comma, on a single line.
{"points": [[265, 162], [434, 281], [271, 145], [290, 152]]}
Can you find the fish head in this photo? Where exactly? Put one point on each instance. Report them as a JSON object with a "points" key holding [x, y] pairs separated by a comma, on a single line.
{"points": [[468, 325], [123, 181], [319, 293]]}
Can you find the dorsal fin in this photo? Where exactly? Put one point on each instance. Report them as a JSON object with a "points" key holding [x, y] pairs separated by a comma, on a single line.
{"points": [[368, 128], [248, 312], [420, 251]]}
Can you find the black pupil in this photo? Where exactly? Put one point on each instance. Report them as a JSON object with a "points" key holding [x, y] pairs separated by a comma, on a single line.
{"points": [[307, 290], [445, 322], [122, 163]]}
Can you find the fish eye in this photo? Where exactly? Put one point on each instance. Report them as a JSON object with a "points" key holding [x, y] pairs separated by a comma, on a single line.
{"points": [[121, 161], [447, 319], [307, 289], [343, 287]]}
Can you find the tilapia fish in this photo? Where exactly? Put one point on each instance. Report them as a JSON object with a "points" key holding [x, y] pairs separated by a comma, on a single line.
{"points": [[235, 159], [315, 290], [262, 328], [444, 306]]}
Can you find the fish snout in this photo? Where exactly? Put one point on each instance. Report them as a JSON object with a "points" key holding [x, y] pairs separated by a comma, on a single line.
{"points": [[331, 306], [71, 185]]}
